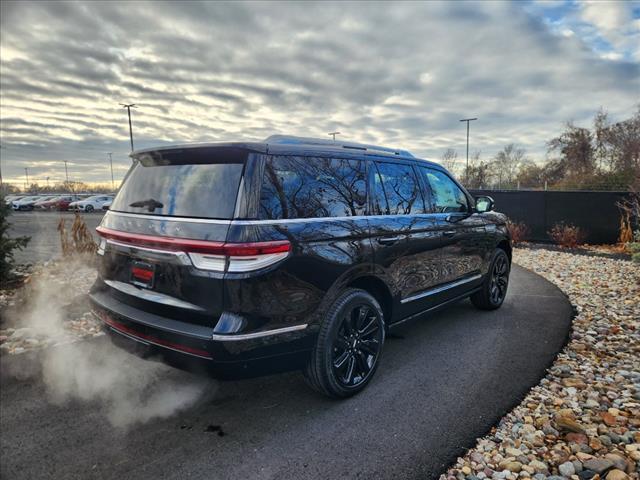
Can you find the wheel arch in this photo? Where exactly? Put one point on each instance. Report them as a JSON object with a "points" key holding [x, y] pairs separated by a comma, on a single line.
{"points": [[379, 290], [506, 246]]}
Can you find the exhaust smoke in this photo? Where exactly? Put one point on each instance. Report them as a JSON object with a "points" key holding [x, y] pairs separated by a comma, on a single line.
{"points": [[130, 389]]}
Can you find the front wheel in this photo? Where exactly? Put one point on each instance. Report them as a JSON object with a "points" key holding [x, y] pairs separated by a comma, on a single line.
{"points": [[348, 347], [88, 208], [494, 287]]}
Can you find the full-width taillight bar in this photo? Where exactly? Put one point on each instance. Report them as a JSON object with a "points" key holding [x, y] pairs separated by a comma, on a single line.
{"points": [[207, 255]]}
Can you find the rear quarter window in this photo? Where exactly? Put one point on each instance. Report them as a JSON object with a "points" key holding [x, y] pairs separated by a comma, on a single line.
{"points": [[312, 187]]}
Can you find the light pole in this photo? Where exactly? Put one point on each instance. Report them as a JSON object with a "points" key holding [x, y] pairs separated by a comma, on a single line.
{"points": [[468, 120], [26, 174], [111, 163], [333, 134], [128, 107], [66, 172]]}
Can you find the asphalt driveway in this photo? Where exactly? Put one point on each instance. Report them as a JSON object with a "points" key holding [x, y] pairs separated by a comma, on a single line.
{"points": [[444, 380]]}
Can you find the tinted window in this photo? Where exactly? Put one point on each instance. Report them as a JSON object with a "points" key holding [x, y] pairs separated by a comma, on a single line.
{"points": [[447, 196], [401, 189], [202, 190], [308, 187]]}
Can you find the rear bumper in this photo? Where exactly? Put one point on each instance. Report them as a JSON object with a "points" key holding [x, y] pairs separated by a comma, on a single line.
{"points": [[192, 346]]}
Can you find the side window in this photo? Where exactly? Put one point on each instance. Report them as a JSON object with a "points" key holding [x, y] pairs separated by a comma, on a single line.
{"points": [[309, 187], [447, 196], [401, 188]]}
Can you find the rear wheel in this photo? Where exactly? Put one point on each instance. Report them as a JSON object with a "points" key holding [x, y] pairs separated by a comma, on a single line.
{"points": [[494, 287], [349, 345]]}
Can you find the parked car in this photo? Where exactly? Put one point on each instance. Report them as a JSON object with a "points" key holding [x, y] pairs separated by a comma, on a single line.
{"points": [[107, 205], [294, 253], [42, 200], [90, 204], [11, 198], [25, 203], [60, 203]]}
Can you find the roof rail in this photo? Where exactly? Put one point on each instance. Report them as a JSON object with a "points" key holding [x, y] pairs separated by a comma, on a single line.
{"points": [[292, 140]]}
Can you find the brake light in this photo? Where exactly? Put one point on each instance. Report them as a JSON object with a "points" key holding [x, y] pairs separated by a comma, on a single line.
{"points": [[206, 255]]}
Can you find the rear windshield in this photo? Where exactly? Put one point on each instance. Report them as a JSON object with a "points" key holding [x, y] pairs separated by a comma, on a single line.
{"points": [[182, 184]]}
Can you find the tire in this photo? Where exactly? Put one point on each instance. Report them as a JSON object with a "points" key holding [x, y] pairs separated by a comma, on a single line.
{"points": [[494, 287], [88, 208], [349, 345]]}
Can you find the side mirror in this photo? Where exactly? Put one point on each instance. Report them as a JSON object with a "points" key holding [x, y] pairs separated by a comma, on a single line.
{"points": [[484, 204]]}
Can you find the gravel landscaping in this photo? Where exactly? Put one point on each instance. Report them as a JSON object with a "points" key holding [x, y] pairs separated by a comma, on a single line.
{"points": [[51, 308], [583, 420]]}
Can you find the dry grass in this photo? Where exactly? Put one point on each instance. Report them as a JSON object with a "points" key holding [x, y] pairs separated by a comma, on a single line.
{"points": [[80, 242], [626, 232], [567, 235], [519, 231]]}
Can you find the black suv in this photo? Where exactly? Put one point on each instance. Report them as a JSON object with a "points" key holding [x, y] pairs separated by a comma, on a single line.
{"points": [[294, 253]]}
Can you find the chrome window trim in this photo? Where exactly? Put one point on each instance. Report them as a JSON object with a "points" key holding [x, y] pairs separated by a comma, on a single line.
{"points": [[329, 219], [167, 218], [447, 286], [249, 336], [268, 221]]}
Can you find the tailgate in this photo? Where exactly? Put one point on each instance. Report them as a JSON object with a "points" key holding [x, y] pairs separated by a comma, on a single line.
{"points": [[141, 269]]}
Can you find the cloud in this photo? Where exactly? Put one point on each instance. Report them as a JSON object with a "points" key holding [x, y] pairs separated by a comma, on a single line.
{"points": [[614, 22], [399, 74], [607, 16]]}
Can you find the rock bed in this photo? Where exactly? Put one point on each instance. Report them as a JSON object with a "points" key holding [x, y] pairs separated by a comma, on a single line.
{"points": [[583, 419], [51, 307]]}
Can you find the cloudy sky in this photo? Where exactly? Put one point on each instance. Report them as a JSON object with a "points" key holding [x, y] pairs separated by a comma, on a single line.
{"points": [[398, 74]]}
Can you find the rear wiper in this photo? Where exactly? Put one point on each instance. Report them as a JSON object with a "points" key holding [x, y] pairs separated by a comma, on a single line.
{"points": [[151, 204]]}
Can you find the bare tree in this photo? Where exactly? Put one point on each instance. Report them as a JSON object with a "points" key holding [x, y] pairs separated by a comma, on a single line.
{"points": [[506, 165], [617, 146], [478, 175], [449, 160], [577, 155]]}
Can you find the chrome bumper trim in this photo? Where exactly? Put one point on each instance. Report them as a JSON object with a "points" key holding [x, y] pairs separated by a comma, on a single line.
{"points": [[248, 336]]}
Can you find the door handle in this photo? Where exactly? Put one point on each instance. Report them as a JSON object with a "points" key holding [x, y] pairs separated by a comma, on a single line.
{"points": [[449, 233], [388, 240]]}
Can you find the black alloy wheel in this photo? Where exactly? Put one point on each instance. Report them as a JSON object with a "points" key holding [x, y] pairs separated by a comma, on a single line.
{"points": [[357, 345], [494, 288], [499, 279], [349, 345]]}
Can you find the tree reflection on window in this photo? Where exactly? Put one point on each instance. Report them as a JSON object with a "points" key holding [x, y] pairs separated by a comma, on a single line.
{"points": [[401, 189], [309, 187]]}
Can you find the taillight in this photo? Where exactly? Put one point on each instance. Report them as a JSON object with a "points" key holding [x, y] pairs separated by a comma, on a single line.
{"points": [[206, 255]]}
